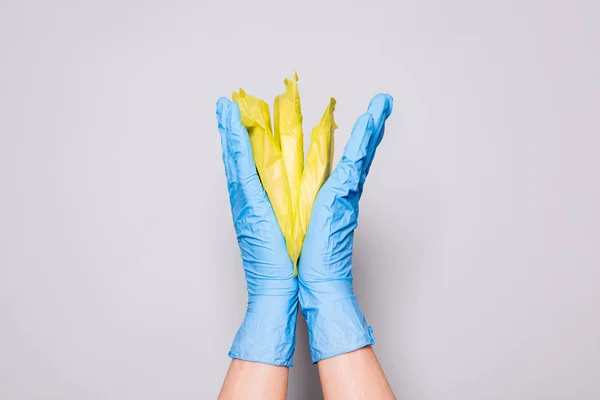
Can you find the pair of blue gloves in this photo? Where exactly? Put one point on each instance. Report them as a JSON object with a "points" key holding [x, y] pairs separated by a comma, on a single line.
{"points": [[336, 324]]}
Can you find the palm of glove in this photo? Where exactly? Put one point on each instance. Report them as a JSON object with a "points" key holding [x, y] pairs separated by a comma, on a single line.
{"points": [[267, 265]]}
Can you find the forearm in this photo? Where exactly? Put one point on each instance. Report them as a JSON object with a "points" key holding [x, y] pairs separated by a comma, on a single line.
{"points": [[353, 376], [250, 380]]}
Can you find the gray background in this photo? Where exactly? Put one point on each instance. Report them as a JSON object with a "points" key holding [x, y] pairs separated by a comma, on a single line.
{"points": [[477, 256]]}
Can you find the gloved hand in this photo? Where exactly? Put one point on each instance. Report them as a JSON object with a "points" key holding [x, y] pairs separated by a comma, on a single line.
{"points": [[267, 334], [336, 324]]}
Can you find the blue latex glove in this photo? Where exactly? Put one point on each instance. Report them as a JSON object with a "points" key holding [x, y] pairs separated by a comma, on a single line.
{"points": [[336, 325], [268, 332]]}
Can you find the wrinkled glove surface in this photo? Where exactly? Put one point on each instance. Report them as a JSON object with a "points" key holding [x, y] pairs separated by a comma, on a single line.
{"points": [[336, 324], [267, 334]]}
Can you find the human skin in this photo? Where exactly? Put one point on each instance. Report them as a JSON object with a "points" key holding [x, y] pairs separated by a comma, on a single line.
{"points": [[354, 376], [251, 380]]}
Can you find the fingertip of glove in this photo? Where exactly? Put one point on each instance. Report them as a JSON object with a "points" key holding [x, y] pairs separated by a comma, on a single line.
{"points": [[385, 98], [222, 111], [381, 106], [222, 104]]}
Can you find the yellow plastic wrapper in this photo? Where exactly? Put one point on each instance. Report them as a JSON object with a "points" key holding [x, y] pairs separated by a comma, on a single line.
{"points": [[287, 124], [267, 157], [291, 184], [316, 172]]}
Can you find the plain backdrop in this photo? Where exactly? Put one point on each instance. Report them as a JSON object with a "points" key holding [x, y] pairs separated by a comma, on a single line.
{"points": [[477, 257]]}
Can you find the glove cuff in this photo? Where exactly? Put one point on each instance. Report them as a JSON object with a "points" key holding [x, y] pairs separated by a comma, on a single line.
{"points": [[336, 328], [267, 339]]}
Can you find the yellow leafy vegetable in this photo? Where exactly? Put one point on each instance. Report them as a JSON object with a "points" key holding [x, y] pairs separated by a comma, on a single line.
{"points": [[291, 184]]}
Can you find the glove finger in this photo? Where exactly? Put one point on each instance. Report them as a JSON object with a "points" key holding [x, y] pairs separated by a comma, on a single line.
{"points": [[240, 148], [223, 105], [347, 175], [380, 108]]}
